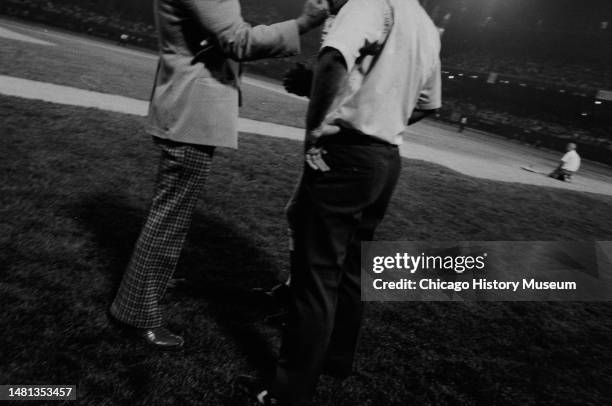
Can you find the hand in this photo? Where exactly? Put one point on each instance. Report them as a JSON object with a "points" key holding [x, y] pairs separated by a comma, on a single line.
{"points": [[298, 80], [314, 154], [314, 14]]}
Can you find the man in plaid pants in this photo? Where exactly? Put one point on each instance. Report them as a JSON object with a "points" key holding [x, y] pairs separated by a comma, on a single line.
{"points": [[194, 108]]}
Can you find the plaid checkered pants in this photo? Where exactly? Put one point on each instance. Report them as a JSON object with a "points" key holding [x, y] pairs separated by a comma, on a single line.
{"points": [[183, 170]]}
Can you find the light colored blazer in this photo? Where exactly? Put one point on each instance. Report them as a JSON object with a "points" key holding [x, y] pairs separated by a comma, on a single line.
{"points": [[196, 92]]}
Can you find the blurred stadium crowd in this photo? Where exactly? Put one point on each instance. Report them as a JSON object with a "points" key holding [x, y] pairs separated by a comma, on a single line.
{"points": [[539, 129], [107, 21], [568, 73], [536, 70], [556, 42], [533, 70]]}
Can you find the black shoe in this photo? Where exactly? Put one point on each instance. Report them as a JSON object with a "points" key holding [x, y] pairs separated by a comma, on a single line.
{"points": [[178, 284], [280, 293], [277, 320], [251, 391], [159, 337]]}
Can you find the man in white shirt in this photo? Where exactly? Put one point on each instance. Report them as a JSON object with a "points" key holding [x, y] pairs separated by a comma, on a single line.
{"points": [[569, 164], [378, 70]]}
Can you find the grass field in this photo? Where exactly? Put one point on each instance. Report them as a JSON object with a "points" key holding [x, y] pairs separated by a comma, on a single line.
{"points": [[75, 185]]}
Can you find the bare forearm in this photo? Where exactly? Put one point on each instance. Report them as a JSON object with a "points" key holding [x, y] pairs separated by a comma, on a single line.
{"points": [[329, 76]]}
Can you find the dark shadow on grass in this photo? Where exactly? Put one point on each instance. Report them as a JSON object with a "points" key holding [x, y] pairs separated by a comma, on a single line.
{"points": [[220, 263], [115, 226]]}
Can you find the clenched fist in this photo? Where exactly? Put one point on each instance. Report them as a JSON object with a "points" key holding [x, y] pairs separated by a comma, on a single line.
{"points": [[314, 14]]}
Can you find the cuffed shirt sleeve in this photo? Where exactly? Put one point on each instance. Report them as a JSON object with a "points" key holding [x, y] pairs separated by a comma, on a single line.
{"points": [[431, 94], [237, 38]]}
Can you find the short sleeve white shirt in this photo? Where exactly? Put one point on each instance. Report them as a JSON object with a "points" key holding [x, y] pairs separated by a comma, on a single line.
{"points": [[571, 161], [391, 49]]}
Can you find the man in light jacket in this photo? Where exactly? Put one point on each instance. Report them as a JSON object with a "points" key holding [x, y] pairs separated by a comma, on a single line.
{"points": [[194, 108]]}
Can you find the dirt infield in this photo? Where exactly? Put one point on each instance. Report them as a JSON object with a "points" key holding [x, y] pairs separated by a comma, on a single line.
{"points": [[490, 157]]}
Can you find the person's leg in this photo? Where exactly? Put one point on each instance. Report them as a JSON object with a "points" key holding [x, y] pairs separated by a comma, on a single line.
{"points": [[314, 279], [347, 322], [293, 212], [281, 292], [557, 174], [329, 218], [565, 175], [349, 312], [182, 173]]}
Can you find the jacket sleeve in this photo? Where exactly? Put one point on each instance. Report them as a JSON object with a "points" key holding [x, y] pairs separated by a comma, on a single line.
{"points": [[238, 39]]}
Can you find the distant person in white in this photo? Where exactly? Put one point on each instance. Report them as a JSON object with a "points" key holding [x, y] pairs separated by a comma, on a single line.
{"points": [[569, 164]]}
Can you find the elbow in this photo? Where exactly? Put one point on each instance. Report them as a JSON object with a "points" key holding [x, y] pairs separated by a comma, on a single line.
{"points": [[331, 60]]}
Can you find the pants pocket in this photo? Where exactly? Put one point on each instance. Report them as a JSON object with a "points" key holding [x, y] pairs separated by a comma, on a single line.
{"points": [[343, 189]]}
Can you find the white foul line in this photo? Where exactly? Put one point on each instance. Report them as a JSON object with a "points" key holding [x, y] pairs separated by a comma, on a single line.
{"points": [[249, 80], [8, 34], [31, 89]]}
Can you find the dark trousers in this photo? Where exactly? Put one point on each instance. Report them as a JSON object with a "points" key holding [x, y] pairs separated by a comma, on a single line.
{"points": [[561, 174], [183, 170], [331, 213]]}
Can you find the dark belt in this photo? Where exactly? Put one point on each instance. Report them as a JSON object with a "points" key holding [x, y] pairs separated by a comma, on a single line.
{"points": [[353, 137]]}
